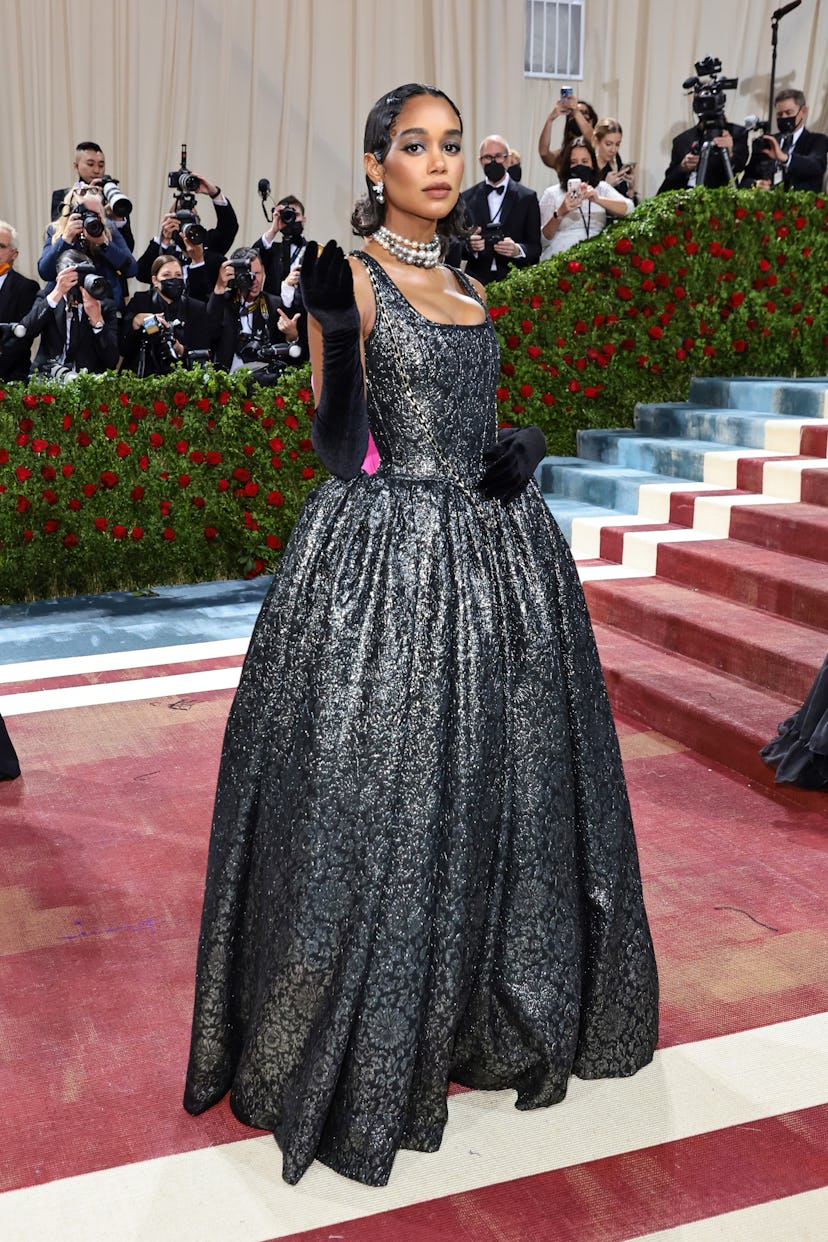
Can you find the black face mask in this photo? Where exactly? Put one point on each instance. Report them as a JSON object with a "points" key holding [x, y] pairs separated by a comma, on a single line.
{"points": [[172, 287], [787, 124], [516, 172], [493, 171], [584, 171]]}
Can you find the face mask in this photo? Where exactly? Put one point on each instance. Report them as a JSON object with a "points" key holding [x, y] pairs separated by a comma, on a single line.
{"points": [[787, 124], [493, 171], [584, 171], [172, 287], [516, 172]]}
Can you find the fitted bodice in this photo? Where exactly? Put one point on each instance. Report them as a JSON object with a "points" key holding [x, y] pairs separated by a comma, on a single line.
{"points": [[451, 372]]}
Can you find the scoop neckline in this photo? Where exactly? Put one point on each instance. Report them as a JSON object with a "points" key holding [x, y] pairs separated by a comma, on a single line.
{"points": [[437, 323]]}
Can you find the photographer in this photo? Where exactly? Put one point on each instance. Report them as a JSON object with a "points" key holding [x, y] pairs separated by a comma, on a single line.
{"points": [[795, 156], [256, 331], [713, 152], [581, 118], [76, 321], [578, 206], [82, 225], [89, 167], [504, 216], [17, 294], [200, 250], [281, 260], [164, 325]]}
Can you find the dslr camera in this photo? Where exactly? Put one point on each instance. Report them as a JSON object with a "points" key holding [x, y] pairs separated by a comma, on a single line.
{"points": [[93, 225], [183, 181], [89, 279], [242, 278], [162, 338], [191, 229], [265, 359], [492, 233], [114, 197]]}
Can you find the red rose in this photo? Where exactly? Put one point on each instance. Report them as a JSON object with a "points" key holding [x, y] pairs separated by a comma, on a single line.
{"points": [[740, 346], [709, 350], [276, 463], [291, 421], [39, 445], [159, 409], [564, 286], [304, 396], [279, 402], [503, 394], [137, 533], [250, 522], [251, 488], [51, 525], [646, 266], [108, 478], [210, 532], [213, 457], [4, 456], [655, 332], [196, 457], [110, 431], [22, 440], [169, 533], [73, 504], [308, 472], [574, 385], [48, 472], [23, 504], [273, 541], [624, 292], [123, 450], [623, 245], [275, 498], [249, 450], [69, 540], [574, 266], [198, 501], [184, 480], [548, 399], [305, 445], [27, 534], [143, 463], [89, 490], [84, 439], [241, 473], [222, 485], [156, 440], [180, 399], [23, 473], [29, 401], [223, 398], [100, 523], [526, 390], [164, 507], [203, 404], [119, 532], [137, 493], [691, 248]]}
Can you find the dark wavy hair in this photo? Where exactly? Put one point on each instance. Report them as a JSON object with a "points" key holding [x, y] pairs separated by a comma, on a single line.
{"points": [[368, 214], [564, 164]]}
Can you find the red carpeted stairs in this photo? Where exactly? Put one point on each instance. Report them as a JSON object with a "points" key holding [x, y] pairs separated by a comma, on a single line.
{"points": [[722, 641]]}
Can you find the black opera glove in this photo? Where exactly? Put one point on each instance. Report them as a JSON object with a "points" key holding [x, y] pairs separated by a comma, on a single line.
{"points": [[340, 426], [512, 462]]}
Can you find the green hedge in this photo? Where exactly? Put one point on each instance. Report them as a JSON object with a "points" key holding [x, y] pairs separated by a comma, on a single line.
{"points": [[114, 482], [696, 282]]}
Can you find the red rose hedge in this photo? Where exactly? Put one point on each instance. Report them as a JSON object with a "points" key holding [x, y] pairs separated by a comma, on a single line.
{"points": [[115, 483]]}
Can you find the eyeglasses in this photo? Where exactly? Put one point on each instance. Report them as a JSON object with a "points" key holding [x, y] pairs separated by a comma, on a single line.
{"points": [[500, 158]]}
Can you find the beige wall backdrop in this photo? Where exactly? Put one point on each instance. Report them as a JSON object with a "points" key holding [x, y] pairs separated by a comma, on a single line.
{"points": [[280, 89]]}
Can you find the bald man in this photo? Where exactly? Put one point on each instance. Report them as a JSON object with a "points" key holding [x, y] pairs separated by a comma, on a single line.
{"points": [[505, 214]]}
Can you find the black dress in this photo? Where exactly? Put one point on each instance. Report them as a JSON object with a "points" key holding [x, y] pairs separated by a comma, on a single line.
{"points": [[800, 750], [9, 766], [422, 866]]}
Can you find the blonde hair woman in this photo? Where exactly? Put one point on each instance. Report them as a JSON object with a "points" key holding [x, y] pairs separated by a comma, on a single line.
{"points": [[75, 229]]}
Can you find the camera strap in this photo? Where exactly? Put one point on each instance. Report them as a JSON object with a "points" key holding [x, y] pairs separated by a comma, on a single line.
{"points": [[587, 219]]}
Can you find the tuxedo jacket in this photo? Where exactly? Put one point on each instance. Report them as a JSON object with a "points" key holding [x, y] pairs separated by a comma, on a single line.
{"points": [[277, 262], [95, 351], [520, 220], [198, 330], [216, 245], [675, 178], [226, 308], [806, 170], [16, 300]]}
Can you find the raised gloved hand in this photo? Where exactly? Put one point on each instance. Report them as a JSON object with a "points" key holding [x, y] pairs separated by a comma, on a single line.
{"points": [[340, 426], [512, 462]]}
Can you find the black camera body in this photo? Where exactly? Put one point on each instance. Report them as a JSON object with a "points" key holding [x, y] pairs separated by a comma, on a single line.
{"points": [[184, 182], [93, 225], [90, 279], [266, 359], [709, 96], [243, 277], [161, 338], [191, 229], [492, 233]]}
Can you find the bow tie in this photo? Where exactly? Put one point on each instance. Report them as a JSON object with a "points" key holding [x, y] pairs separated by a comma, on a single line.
{"points": [[497, 189]]}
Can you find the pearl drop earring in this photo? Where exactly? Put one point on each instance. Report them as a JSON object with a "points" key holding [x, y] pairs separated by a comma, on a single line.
{"points": [[378, 188]]}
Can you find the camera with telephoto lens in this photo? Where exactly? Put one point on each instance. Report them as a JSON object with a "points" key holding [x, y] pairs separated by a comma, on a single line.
{"points": [[709, 96], [191, 229], [90, 279], [265, 359], [93, 225], [114, 197], [243, 277], [162, 339]]}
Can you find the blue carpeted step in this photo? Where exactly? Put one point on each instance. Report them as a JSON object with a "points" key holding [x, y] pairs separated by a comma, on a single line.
{"points": [[672, 457], [731, 428], [803, 398], [597, 483], [564, 510]]}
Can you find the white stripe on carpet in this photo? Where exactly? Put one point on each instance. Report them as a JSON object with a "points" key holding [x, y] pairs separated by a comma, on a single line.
{"points": [[235, 1190], [106, 662], [177, 685]]}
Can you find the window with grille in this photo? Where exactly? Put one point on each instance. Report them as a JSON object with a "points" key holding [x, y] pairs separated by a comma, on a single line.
{"points": [[554, 39]]}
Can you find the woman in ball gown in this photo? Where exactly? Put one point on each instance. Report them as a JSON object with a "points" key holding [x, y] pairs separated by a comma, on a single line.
{"points": [[799, 752], [422, 866]]}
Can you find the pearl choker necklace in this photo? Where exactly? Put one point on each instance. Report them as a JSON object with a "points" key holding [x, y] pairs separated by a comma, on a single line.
{"points": [[421, 254]]}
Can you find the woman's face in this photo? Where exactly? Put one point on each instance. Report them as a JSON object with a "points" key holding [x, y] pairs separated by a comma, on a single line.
{"points": [[607, 148], [166, 271], [579, 158], [423, 169]]}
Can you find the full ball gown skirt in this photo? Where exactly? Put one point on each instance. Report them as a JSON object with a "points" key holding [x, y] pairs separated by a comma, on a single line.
{"points": [[799, 752], [422, 865]]}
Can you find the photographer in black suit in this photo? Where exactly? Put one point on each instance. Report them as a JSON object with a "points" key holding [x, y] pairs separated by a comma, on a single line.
{"points": [[794, 156], [714, 151], [200, 250], [164, 325], [17, 294], [77, 324], [506, 215], [256, 331]]}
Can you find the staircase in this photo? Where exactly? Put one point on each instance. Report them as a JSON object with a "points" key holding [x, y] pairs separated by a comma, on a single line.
{"points": [[701, 537]]}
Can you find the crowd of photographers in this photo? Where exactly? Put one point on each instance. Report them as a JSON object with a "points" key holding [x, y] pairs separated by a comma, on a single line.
{"points": [[245, 310], [202, 300]]}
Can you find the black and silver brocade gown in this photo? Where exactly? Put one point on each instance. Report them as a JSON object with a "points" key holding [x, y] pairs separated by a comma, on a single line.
{"points": [[422, 865]]}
